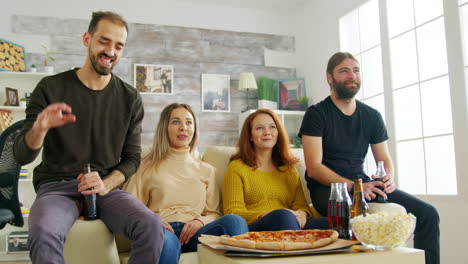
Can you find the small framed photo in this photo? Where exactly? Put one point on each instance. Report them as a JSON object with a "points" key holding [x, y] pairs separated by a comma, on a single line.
{"points": [[12, 57], [153, 79], [11, 97], [290, 92], [215, 92]]}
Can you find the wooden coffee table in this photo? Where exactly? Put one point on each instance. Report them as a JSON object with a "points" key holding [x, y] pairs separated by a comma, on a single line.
{"points": [[401, 255]]}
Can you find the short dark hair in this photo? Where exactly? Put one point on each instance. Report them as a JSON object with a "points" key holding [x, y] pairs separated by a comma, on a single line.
{"points": [[338, 58], [100, 15]]}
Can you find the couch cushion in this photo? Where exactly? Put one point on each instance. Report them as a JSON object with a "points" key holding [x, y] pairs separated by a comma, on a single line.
{"points": [[79, 248]]}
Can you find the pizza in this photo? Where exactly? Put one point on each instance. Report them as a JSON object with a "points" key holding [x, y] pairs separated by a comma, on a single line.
{"points": [[282, 240]]}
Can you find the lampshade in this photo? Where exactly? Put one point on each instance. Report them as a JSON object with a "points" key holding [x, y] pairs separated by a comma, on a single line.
{"points": [[247, 81]]}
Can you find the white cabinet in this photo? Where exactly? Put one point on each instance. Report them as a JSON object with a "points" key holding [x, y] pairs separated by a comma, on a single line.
{"points": [[291, 120], [24, 82]]}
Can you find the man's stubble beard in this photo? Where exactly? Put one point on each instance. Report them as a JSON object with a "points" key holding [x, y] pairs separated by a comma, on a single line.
{"points": [[100, 69]]}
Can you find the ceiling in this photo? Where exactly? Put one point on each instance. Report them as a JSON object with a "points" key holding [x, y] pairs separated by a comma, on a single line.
{"points": [[270, 4]]}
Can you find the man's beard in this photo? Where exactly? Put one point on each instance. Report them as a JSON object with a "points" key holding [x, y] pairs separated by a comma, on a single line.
{"points": [[345, 92], [99, 68]]}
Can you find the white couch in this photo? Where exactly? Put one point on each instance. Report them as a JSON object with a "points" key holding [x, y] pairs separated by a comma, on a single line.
{"points": [[92, 243]]}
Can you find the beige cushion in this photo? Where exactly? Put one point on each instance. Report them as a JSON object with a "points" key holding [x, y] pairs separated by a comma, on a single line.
{"points": [[90, 242]]}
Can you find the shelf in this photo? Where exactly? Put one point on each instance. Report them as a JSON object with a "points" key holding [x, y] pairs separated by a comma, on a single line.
{"points": [[25, 180], [13, 108], [31, 75]]}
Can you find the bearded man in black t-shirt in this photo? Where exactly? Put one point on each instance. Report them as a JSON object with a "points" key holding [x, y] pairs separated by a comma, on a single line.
{"points": [[336, 135]]}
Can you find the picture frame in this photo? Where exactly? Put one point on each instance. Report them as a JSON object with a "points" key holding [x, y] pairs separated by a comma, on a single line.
{"points": [[154, 79], [12, 56], [290, 92], [11, 97], [215, 91]]}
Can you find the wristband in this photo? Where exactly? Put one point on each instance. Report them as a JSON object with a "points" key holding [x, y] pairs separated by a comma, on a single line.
{"points": [[199, 221]]}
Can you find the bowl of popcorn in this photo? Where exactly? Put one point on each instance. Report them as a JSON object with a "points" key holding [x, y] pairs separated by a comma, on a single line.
{"points": [[383, 231]]}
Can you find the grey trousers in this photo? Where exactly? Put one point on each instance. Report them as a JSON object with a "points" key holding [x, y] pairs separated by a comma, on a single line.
{"points": [[54, 211]]}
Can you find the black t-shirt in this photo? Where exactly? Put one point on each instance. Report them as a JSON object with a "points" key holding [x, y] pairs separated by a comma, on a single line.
{"points": [[345, 139]]}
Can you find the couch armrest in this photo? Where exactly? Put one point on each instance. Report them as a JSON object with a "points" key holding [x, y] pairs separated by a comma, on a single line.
{"points": [[90, 242]]}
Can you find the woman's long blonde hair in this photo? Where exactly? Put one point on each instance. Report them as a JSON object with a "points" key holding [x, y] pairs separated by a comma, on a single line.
{"points": [[160, 148]]}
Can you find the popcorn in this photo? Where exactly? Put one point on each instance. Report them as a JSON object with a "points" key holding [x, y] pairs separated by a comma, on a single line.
{"points": [[382, 230]]}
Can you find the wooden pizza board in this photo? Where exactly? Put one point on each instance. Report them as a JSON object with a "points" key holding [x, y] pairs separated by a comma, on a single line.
{"points": [[215, 243]]}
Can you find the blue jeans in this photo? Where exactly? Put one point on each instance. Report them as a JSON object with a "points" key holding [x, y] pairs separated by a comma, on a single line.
{"points": [[283, 219], [231, 224]]}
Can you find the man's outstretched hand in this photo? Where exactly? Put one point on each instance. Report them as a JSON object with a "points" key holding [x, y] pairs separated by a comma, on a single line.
{"points": [[54, 115]]}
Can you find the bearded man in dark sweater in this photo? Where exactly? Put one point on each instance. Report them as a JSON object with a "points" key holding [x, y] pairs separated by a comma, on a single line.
{"points": [[87, 115]]}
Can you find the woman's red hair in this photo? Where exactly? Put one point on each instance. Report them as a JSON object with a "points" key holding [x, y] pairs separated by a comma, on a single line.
{"points": [[281, 154]]}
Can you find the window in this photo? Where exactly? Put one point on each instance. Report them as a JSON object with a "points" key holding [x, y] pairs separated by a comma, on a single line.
{"points": [[360, 35], [421, 97], [422, 110]]}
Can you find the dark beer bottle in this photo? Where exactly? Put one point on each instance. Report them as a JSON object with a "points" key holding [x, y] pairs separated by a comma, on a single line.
{"points": [[360, 206], [90, 209], [379, 177]]}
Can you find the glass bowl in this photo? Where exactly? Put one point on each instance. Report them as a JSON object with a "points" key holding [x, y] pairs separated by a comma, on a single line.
{"points": [[383, 231]]}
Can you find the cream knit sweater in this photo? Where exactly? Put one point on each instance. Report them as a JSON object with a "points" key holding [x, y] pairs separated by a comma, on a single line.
{"points": [[182, 189]]}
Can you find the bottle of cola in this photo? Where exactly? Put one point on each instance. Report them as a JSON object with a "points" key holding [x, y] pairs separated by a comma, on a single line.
{"points": [[343, 206], [332, 206], [379, 177], [90, 209]]}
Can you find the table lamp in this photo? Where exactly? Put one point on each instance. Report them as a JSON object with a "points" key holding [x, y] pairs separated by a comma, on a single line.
{"points": [[247, 81]]}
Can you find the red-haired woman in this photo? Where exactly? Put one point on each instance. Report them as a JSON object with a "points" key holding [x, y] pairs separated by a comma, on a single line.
{"points": [[261, 182]]}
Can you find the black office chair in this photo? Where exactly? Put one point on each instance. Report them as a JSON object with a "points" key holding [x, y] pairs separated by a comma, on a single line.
{"points": [[10, 208]]}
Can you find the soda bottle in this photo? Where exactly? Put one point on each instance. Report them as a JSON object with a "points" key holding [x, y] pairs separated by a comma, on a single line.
{"points": [[379, 177], [343, 204], [332, 206], [90, 209], [360, 206]]}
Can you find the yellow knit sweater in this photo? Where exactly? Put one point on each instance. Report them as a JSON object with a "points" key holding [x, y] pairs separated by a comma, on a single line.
{"points": [[250, 193]]}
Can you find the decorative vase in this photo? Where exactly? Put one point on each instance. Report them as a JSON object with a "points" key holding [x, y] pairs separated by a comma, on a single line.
{"points": [[32, 69]]}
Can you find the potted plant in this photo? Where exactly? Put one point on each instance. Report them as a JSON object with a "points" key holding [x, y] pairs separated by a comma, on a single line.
{"points": [[48, 57], [22, 102], [304, 102], [33, 68]]}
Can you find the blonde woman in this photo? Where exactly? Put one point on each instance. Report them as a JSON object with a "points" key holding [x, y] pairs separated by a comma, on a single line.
{"points": [[181, 188]]}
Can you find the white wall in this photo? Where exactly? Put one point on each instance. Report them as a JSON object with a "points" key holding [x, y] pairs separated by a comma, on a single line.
{"points": [[183, 13], [317, 38]]}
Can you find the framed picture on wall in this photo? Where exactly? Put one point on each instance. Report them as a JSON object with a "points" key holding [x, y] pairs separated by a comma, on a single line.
{"points": [[154, 79], [12, 56], [290, 92], [11, 97], [215, 93]]}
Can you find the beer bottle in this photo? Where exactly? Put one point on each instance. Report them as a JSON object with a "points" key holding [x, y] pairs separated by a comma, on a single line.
{"points": [[379, 177], [360, 206], [332, 206], [90, 209]]}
